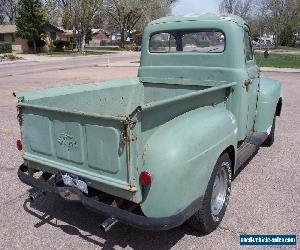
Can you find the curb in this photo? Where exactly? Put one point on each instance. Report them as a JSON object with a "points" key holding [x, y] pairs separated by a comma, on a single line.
{"points": [[118, 65], [16, 62], [282, 70]]}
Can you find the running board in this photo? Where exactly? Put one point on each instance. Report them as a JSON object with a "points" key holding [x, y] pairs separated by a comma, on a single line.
{"points": [[249, 147]]}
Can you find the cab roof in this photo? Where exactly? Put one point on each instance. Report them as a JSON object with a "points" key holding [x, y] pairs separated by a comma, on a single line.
{"points": [[203, 17]]}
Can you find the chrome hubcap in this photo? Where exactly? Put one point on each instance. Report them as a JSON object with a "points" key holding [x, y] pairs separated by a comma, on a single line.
{"points": [[219, 192]]}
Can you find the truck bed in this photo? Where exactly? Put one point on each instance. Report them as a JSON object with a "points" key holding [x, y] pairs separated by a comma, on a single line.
{"points": [[86, 129]]}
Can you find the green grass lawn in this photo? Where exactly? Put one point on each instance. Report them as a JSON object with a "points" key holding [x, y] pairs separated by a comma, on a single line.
{"points": [[97, 52], [278, 60], [70, 53]]}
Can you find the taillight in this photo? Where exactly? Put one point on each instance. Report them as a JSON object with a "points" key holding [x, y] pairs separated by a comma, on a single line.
{"points": [[145, 179], [19, 145]]}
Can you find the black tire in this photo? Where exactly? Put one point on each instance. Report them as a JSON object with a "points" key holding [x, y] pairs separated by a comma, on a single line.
{"points": [[204, 220], [271, 137]]}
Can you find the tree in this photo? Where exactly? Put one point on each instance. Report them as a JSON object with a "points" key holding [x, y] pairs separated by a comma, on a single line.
{"points": [[123, 15], [30, 21], [8, 10], [2, 19], [126, 15], [154, 10], [88, 36], [81, 13], [287, 36], [53, 11], [258, 20], [281, 16], [58, 13], [241, 8], [227, 6]]}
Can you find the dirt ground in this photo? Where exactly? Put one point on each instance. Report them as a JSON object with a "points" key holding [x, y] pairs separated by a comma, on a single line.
{"points": [[265, 196]]}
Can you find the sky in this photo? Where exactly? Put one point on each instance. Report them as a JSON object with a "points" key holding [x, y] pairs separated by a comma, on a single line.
{"points": [[188, 7]]}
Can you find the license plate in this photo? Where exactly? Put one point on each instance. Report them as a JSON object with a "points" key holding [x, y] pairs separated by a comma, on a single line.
{"points": [[73, 180]]}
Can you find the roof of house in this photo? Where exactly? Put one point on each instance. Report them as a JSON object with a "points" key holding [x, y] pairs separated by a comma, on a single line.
{"points": [[51, 28], [68, 32], [7, 29]]}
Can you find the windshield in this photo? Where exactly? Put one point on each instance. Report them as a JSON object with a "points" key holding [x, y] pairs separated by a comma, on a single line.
{"points": [[206, 41]]}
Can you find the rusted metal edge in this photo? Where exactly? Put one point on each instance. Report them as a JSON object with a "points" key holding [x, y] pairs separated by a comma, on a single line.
{"points": [[72, 112], [153, 105], [92, 177], [125, 216]]}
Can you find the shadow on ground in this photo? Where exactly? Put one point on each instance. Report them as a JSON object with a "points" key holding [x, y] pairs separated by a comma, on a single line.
{"points": [[74, 219], [244, 165]]}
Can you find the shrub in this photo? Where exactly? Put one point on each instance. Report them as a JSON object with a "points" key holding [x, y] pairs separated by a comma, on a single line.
{"points": [[9, 57], [60, 44], [39, 43], [203, 44], [103, 43], [112, 43], [132, 47], [138, 38], [5, 48], [288, 38], [52, 49]]}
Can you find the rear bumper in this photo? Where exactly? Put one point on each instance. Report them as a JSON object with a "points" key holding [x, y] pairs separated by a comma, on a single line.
{"points": [[121, 215]]}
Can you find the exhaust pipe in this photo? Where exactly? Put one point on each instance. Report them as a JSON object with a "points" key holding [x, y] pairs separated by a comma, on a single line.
{"points": [[36, 195], [107, 224]]}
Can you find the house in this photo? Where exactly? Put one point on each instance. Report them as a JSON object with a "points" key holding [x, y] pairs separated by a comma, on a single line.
{"points": [[115, 36], [66, 35], [266, 39], [99, 37], [19, 45], [52, 33]]}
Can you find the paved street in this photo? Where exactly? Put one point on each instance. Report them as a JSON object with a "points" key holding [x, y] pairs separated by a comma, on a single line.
{"points": [[265, 196], [39, 64]]}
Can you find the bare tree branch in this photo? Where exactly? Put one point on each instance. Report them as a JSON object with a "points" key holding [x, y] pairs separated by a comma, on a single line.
{"points": [[8, 10], [127, 15]]}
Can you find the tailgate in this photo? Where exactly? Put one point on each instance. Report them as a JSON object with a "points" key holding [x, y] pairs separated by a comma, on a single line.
{"points": [[88, 145]]}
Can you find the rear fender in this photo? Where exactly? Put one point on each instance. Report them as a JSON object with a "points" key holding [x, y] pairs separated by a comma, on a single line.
{"points": [[269, 103], [181, 155]]}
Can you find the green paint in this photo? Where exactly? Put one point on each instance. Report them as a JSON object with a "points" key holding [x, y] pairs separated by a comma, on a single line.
{"points": [[174, 120]]}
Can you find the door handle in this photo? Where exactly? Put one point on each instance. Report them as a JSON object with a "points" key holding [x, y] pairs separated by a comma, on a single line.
{"points": [[248, 82]]}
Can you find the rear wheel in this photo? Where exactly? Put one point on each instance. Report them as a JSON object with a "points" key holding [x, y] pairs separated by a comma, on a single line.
{"points": [[216, 197], [271, 137]]}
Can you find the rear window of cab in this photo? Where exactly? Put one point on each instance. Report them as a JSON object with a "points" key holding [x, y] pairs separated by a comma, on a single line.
{"points": [[200, 41]]}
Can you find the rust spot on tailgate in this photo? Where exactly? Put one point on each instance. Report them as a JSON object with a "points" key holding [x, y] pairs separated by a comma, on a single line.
{"points": [[20, 115], [127, 137], [125, 134]]}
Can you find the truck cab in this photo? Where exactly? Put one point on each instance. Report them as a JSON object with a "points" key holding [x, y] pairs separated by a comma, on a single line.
{"points": [[162, 148], [230, 59]]}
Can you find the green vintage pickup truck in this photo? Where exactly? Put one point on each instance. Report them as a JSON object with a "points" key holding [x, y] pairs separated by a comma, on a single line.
{"points": [[160, 149]]}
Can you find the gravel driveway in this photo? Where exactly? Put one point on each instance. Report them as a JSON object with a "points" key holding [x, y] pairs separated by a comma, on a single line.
{"points": [[265, 196]]}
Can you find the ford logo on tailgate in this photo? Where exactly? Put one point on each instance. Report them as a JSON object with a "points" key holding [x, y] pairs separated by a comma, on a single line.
{"points": [[67, 141]]}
